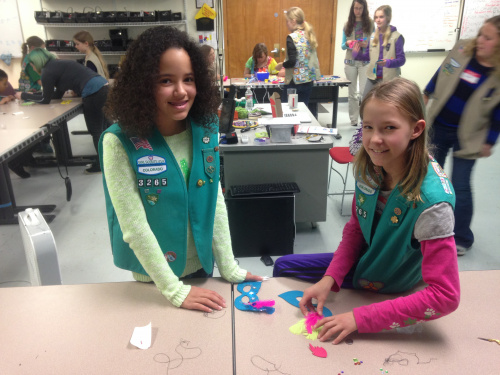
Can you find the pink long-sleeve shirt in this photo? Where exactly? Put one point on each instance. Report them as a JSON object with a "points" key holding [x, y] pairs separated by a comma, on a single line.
{"points": [[439, 272]]}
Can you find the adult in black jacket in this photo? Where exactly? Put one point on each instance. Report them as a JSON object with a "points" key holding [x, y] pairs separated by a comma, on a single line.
{"points": [[59, 76]]}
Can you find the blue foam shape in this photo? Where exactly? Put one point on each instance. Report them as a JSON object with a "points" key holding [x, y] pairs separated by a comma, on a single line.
{"points": [[252, 297], [292, 298]]}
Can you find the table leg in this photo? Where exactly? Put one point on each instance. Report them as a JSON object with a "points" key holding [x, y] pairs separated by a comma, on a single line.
{"points": [[335, 109], [8, 208]]}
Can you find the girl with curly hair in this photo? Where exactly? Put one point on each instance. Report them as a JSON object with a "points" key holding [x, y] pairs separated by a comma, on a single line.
{"points": [[166, 212]]}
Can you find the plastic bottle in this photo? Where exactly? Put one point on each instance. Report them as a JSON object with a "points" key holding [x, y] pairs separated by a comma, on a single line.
{"points": [[248, 99]]}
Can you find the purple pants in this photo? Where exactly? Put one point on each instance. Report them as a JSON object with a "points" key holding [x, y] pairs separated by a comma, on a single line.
{"points": [[307, 267]]}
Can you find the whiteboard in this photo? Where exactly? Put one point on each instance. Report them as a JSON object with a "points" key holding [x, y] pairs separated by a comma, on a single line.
{"points": [[11, 36], [425, 24], [475, 13]]}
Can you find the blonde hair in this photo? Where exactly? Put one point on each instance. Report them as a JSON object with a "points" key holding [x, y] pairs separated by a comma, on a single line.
{"points": [[32, 41], [470, 48], [406, 97], [296, 14], [84, 36], [388, 15]]}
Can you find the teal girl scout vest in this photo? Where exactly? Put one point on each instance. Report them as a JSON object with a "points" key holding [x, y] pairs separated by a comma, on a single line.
{"points": [[167, 200], [391, 263]]}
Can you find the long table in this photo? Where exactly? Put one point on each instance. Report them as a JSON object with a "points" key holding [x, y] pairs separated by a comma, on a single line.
{"points": [[324, 90], [21, 127], [85, 329], [300, 161]]}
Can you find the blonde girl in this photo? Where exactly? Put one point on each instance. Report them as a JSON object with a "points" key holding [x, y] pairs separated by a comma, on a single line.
{"points": [[401, 228], [301, 63], [93, 57], [386, 50]]}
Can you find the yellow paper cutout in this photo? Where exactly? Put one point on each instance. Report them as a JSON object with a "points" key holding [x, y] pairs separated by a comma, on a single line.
{"points": [[205, 12]]}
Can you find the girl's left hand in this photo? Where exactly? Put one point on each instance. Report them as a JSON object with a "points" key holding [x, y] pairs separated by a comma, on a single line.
{"points": [[381, 62], [341, 325], [250, 277], [18, 95]]}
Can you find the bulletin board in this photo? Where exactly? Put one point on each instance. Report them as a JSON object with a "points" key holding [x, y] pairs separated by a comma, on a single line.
{"points": [[11, 36], [426, 25], [475, 13]]}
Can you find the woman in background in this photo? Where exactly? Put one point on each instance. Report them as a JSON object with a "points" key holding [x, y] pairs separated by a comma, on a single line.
{"points": [[465, 115], [30, 80], [301, 63], [260, 62], [93, 58], [355, 34]]}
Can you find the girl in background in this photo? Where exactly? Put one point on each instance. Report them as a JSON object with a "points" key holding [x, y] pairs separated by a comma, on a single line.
{"points": [[166, 211], [401, 228], [209, 54], [30, 80], [356, 34], [301, 63], [59, 76], [93, 58], [386, 52], [465, 115], [260, 62]]}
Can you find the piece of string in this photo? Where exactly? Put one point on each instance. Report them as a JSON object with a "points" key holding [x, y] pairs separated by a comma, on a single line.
{"points": [[265, 365], [399, 358], [164, 358]]}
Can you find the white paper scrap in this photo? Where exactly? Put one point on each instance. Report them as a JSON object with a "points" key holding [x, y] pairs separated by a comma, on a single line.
{"points": [[141, 337]]}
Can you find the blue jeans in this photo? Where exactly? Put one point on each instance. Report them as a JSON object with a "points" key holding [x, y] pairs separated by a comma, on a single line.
{"points": [[442, 139]]}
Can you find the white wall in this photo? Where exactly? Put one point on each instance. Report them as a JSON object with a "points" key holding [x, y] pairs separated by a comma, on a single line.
{"points": [[419, 67]]}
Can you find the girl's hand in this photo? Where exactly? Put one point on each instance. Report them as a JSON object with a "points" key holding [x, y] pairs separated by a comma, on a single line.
{"points": [[250, 277], [485, 151], [356, 47], [278, 66], [341, 325], [320, 291], [363, 44], [203, 299], [381, 62], [18, 95]]}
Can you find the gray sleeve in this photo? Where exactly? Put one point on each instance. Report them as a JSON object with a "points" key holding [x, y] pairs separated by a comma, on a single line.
{"points": [[437, 221]]}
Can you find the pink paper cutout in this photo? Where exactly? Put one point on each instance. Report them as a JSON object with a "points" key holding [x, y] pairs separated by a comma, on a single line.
{"points": [[318, 351], [311, 319]]}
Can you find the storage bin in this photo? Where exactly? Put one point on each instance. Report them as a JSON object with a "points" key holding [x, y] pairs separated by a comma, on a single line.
{"points": [[281, 133], [164, 15]]}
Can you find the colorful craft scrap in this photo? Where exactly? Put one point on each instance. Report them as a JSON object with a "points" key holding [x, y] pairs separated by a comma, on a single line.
{"points": [[318, 351]]}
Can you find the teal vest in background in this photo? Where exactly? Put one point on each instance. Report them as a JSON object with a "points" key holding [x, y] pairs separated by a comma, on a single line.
{"points": [[391, 263], [167, 201]]}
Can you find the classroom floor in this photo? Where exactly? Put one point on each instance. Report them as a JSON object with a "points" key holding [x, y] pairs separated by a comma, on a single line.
{"points": [[81, 233]]}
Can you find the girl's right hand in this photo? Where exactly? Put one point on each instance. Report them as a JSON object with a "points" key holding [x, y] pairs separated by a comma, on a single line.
{"points": [[203, 299], [320, 291]]}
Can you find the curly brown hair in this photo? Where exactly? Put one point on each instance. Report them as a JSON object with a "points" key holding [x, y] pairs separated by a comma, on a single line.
{"points": [[131, 101]]}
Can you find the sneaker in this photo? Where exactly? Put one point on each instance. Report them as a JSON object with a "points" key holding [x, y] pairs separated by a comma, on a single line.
{"points": [[461, 250], [96, 168]]}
